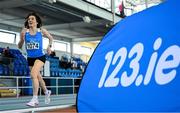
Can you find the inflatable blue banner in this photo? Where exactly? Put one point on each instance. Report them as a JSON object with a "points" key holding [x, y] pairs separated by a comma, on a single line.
{"points": [[136, 67]]}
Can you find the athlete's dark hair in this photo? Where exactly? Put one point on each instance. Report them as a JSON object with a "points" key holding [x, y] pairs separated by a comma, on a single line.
{"points": [[38, 19]]}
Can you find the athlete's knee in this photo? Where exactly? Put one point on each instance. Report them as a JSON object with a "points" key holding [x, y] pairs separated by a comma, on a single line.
{"points": [[39, 77], [34, 75]]}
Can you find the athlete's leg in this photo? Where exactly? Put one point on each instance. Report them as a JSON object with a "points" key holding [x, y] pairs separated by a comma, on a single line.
{"points": [[45, 90], [35, 70], [34, 75], [42, 83]]}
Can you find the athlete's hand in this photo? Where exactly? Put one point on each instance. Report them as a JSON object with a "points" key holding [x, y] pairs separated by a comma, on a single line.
{"points": [[49, 51]]}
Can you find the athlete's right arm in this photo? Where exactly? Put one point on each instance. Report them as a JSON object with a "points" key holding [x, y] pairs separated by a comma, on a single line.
{"points": [[22, 36]]}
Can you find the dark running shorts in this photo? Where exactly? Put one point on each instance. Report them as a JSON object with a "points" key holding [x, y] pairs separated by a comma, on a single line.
{"points": [[32, 60]]}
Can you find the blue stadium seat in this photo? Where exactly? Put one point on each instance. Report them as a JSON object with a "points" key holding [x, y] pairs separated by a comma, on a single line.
{"points": [[1, 70]]}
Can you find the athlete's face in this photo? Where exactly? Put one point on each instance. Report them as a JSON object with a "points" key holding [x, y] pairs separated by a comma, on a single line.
{"points": [[32, 21]]}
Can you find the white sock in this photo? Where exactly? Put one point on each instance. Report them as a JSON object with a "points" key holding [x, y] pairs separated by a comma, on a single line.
{"points": [[46, 92], [35, 97]]}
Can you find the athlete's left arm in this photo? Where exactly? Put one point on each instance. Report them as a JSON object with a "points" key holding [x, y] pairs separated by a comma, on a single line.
{"points": [[48, 35]]}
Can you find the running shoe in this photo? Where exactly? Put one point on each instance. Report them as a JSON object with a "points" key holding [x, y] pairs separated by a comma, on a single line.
{"points": [[33, 103]]}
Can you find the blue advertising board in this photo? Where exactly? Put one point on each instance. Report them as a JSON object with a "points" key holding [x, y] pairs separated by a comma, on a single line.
{"points": [[136, 67]]}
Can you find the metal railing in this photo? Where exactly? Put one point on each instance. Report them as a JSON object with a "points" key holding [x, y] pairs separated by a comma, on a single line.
{"points": [[56, 86]]}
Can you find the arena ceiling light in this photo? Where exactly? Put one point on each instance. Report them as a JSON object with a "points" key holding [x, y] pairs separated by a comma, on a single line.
{"points": [[86, 19], [52, 1]]}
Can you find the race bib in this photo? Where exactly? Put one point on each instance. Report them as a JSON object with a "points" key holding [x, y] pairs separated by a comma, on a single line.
{"points": [[32, 45]]}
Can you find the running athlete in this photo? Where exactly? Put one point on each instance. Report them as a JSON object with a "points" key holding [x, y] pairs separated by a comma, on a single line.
{"points": [[32, 34]]}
